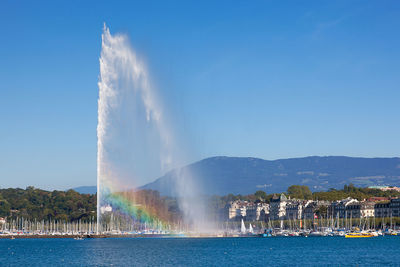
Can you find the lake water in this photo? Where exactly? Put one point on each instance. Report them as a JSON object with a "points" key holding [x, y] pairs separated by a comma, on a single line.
{"points": [[299, 251]]}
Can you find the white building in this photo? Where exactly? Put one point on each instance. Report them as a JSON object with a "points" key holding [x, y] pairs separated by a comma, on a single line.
{"points": [[248, 211], [278, 207]]}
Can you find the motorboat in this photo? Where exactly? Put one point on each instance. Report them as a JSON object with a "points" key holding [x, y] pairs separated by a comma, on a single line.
{"points": [[359, 235]]}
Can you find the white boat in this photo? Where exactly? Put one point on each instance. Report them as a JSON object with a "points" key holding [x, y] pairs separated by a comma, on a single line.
{"points": [[317, 233], [251, 229], [339, 233], [281, 233], [243, 228], [373, 233]]}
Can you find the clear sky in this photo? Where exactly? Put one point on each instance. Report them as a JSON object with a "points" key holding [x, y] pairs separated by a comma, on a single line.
{"points": [[269, 79]]}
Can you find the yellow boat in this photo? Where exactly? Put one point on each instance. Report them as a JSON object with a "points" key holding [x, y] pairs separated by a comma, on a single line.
{"points": [[358, 235]]}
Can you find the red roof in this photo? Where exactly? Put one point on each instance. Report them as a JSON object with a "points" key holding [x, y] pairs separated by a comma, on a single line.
{"points": [[376, 199]]}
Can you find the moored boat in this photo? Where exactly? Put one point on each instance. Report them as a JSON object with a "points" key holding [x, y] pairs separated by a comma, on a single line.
{"points": [[358, 235]]}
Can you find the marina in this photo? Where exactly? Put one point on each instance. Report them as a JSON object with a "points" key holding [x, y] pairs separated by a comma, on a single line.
{"points": [[80, 230]]}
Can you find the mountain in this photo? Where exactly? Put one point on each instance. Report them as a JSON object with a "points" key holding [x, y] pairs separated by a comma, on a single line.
{"points": [[225, 175], [86, 189]]}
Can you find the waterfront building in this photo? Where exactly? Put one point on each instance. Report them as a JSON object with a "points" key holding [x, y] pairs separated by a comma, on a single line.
{"points": [[395, 207], [295, 208], [283, 208], [237, 210], [367, 209], [251, 213], [353, 210], [257, 212], [360, 210], [232, 210], [264, 213], [248, 211], [278, 207], [338, 208], [388, 208], [311, 208], [382, 209]]}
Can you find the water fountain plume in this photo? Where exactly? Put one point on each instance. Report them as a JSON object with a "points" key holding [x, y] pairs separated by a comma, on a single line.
{"points": [[133, 136]]}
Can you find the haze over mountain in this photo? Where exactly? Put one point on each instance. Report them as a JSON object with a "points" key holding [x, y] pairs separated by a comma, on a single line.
{"points": [[238, 175], [86, 189], [225, 175]]}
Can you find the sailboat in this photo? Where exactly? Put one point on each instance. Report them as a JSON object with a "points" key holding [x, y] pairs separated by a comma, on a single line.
{"points": [[242, 228], [251, 229]]}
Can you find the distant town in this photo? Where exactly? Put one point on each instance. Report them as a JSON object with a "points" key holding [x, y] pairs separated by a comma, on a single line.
{"points": [[282, 207], [33, 211]]}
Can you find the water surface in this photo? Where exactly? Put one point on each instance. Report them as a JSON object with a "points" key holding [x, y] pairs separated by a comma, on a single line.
{"points": [[299, 251]]}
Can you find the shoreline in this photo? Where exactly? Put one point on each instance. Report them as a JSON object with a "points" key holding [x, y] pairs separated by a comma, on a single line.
{"points": [[50, 236], [84, 236]]}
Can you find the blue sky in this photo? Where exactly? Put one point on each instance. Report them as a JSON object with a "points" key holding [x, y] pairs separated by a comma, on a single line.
{"points": [[269, 79]]}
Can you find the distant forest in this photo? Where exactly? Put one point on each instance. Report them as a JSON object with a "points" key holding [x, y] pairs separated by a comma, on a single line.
{"points": [[36, 204], [32, 203]]}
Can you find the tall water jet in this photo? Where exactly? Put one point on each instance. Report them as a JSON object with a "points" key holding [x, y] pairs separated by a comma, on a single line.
{"points": [[134, 140]]}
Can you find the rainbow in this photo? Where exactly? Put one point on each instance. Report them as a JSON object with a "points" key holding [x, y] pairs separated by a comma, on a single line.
{"points": [[124, 203], [132, 209]]}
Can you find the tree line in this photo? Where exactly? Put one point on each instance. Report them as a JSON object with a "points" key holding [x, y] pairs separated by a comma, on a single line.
{"points": [[37, 204]]}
